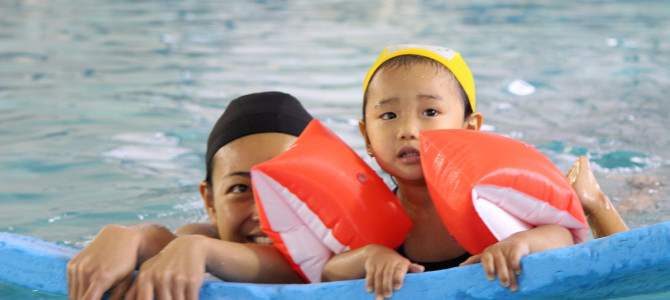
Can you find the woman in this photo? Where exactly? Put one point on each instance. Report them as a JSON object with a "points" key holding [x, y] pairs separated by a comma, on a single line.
{"points": [[254, 128]]}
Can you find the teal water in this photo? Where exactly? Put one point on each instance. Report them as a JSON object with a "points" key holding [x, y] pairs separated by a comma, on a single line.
{"points": [[105, 106], [12, 291]]}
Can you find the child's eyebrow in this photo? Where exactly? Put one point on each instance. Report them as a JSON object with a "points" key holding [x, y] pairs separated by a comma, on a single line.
{"points": [[420, 96], [238, 173], [430, 97], [385, 101]]}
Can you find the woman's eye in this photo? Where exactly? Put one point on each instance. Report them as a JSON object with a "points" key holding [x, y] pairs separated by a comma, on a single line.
{"points": [[430, 112], [238, 188], [388, 116]]}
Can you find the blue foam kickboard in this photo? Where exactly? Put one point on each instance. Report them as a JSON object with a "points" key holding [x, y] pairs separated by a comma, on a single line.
{"points": [[635, 262]]}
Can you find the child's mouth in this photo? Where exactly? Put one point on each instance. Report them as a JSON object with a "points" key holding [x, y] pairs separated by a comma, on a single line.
{"points": [[409, 155]]}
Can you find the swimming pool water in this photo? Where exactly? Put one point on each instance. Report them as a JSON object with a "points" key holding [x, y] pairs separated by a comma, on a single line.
{"points": [[105, 106]]}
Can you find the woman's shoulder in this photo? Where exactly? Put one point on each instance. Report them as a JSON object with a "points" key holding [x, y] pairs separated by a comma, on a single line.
{"points": [[207, 229]]}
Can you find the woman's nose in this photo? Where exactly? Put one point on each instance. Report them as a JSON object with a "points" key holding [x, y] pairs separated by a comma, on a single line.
{"points": [[254, 215]]}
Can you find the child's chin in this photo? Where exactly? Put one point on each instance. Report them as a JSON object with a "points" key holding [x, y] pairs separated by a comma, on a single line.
{"points": [[411, 160], [411, 175]]}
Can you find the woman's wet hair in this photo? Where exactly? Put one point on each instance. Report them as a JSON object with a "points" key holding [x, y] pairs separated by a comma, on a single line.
{"points": [[255, 113]]}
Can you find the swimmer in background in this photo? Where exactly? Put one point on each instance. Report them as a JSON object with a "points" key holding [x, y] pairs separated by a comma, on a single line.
{"points": [[254, 128], [409, 89]]}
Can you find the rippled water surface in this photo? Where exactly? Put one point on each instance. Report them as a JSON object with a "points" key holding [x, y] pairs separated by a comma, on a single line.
{"points": [[105, 106]]}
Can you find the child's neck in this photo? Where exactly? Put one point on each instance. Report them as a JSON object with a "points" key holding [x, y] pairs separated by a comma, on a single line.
{"points": [[428, 228], [414, 195]]}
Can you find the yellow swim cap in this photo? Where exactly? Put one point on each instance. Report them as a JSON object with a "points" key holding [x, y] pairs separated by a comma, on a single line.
{"points": [[449, 58]]}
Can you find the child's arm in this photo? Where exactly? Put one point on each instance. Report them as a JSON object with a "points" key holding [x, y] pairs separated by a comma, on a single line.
{"points": [[504, 257], [109, 260], [600, 213], [177, 271], [383, 268]]}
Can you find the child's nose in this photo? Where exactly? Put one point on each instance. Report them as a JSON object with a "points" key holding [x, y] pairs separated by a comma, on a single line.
{"points": [[409, 130]]}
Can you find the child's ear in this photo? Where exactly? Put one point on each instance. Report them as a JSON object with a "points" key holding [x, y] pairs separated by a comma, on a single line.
{"points": [[474, 121], [364, 133], [208, 197]]}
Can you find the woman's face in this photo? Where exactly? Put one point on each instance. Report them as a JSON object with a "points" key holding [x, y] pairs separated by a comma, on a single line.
{"points": [[232, 208]]}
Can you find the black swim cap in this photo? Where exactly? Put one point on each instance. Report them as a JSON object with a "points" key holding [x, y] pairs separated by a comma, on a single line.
{"points": [[256, 113]]}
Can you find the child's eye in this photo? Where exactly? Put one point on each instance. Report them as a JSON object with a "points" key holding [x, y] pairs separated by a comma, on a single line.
{"points": [[429, 112], [238, 188], [388, 116]]}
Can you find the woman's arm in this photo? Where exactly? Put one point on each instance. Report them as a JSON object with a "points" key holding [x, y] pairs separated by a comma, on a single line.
{"points": [[177, 271], [207, 229], [109, 260]]}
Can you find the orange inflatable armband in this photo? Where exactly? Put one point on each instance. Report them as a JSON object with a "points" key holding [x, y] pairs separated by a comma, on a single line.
{"points": [[320, 198], [487, 187]]}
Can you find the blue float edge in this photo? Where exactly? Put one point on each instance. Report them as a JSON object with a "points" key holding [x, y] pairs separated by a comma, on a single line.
{"points": [[635, 262]]}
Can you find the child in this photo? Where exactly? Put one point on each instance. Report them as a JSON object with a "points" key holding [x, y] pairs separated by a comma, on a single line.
{"points": [[409, 89], [254, 128]]}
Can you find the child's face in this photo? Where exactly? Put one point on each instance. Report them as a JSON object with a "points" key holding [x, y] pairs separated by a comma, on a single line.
{"points": [[232, 207], [403, 101]]}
